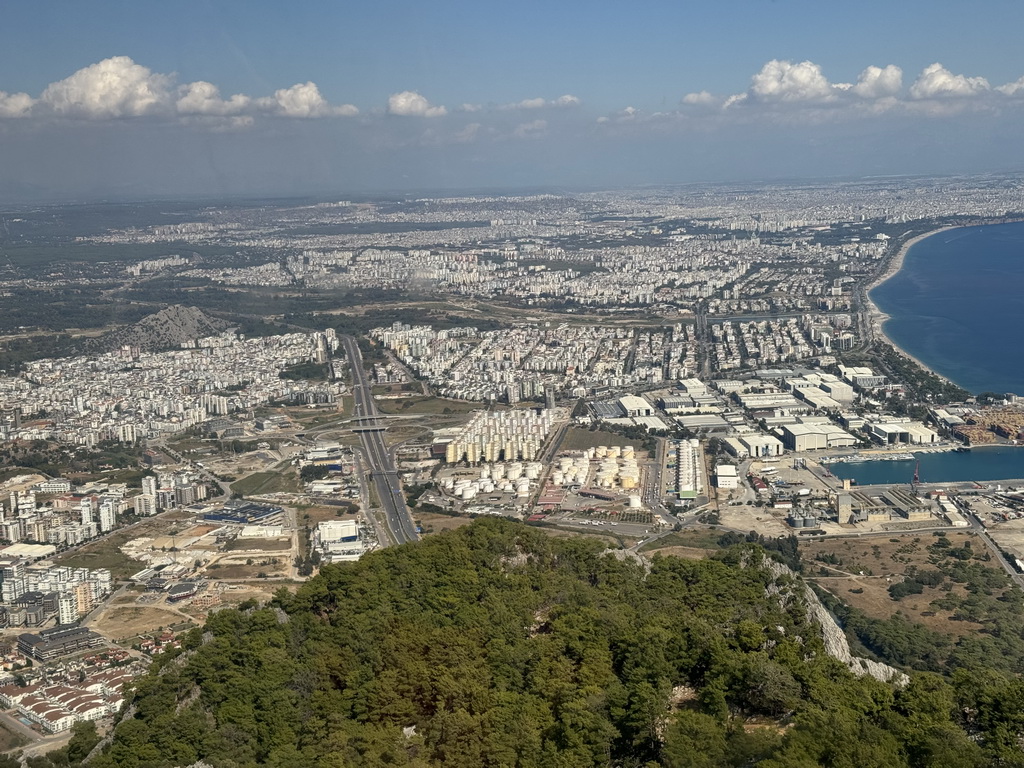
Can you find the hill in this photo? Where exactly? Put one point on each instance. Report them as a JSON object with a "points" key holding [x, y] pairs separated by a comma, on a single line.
{"points": [[166, 329], [494, 645]]}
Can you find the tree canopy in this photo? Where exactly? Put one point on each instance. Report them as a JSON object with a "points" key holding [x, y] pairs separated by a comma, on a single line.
{"points": [[495, 645]]}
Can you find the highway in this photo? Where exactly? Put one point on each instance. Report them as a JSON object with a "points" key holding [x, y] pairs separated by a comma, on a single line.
{"points": [[381, 465]]}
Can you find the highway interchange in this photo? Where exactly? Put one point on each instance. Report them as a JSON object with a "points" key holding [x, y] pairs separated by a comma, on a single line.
{"points": [[382, 470]]}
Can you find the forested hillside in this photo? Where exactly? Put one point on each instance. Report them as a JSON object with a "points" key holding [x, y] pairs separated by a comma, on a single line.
{"points": [[494, 645]]}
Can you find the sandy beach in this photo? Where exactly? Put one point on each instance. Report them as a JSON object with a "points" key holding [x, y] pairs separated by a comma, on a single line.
{"points": [[877, 318]]}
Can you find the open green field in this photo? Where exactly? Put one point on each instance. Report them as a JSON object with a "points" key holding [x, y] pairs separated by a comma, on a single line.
{"points": [[427, 405], [580, 439], [106, 553], [266, 482]]}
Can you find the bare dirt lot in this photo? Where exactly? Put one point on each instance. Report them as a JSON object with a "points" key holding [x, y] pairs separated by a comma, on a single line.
{"points": [[124, 622]]}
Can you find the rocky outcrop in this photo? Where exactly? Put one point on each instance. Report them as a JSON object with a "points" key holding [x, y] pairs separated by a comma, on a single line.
{"points": [[836, 644], [166, 329]]}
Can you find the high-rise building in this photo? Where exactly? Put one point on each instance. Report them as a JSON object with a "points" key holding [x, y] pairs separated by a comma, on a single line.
{"points": [[67, 609]]}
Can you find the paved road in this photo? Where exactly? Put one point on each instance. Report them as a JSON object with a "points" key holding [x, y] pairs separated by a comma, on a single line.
{"points": [[381, 464]]}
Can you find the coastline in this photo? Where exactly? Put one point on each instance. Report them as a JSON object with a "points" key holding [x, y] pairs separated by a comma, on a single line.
{"points": [[877, 318]]}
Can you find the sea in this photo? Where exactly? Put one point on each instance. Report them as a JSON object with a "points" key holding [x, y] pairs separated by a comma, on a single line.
{"points": [[957, 305], [988, 464]]}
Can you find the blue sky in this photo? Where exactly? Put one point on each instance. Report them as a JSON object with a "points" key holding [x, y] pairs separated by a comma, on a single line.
{"points": [[145, 97]]}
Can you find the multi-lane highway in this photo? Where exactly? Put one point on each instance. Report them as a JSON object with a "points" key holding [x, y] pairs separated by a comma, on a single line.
{"points": [[381, 464]]}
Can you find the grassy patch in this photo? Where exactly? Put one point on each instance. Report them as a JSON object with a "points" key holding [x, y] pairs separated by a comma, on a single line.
{"points": [[427, 405], [696, 539], [580, 439], [104, 554], [266, 482]]}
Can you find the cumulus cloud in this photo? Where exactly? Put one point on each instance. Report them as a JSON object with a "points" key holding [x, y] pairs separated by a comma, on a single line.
{"points": [[528, 104], [879, 83], [937, 82], [412, 104], [202, 98], [701, 97], [1012, 89], [15, 104], [303, 100], [113, 88], [119, 88], [785, 81], [568, 100]]}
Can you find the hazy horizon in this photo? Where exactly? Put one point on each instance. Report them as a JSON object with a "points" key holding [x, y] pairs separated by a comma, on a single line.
{"points": [[254, 100]]}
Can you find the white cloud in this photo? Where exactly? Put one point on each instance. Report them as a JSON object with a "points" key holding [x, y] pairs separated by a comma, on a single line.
{"points": [[531, 130], [568, 100], [470, 108], [701, 97], [1012, 89], [878, 83], [410, 103], [202, 98], [528, 104], [785, 81], [303, 100], [937, 82], [112, 88], [15, 104]]}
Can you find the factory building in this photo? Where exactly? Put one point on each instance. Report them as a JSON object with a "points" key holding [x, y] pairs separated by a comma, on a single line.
{"points": [[815, 436], [903, 432], [726, 477]]}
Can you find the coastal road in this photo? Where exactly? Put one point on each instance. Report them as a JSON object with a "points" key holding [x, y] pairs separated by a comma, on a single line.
{"points": [[382, 472]]}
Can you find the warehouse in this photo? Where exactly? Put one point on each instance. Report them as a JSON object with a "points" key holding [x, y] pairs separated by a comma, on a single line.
{"points": [[242, 512], [815, 436]]}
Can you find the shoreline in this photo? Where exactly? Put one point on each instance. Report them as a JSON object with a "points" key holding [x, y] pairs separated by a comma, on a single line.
{"points": [[877, 318]]}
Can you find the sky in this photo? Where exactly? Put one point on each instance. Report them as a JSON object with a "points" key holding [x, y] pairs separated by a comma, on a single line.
{"points": [[121, 100]]}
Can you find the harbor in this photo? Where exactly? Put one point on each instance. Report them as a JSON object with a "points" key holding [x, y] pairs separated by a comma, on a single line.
{"points": [[1003, 463]]}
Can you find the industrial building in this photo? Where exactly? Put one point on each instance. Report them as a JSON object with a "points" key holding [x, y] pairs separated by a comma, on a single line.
{"points": [[815, 436], [902, 432], [339, 540], [241, 512], [636, 406], [726, 477]]}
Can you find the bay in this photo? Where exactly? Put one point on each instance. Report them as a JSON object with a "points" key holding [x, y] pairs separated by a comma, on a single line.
{"points": [[957, 305]]}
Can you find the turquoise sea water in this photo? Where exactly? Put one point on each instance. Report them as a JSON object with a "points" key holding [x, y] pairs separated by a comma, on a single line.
{"points": [[985, 465], [957, 305]]}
